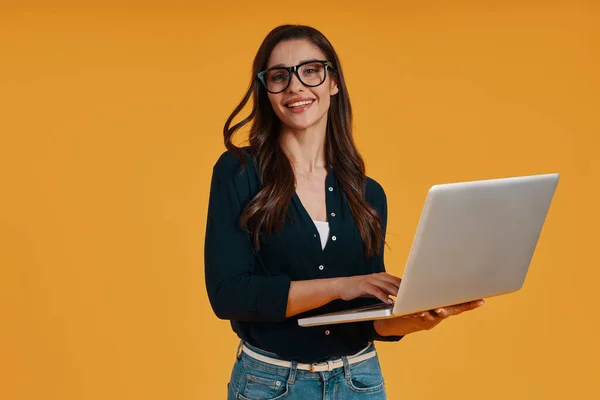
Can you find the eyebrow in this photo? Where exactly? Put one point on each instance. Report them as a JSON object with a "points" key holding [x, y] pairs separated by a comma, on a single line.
{"points": [[301, 61]]}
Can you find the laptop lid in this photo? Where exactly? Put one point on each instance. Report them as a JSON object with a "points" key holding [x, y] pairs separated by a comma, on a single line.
{"points": [[474, 240]]}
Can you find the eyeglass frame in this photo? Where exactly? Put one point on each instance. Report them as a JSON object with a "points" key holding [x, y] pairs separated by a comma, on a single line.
{"points": [[294, 70]]}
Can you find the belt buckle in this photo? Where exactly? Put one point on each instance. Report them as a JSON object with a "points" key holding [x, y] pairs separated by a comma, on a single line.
{"points": [[313, 367]]}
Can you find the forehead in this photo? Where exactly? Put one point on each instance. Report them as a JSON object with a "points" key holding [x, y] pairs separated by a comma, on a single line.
{"points": [[293, 52]]}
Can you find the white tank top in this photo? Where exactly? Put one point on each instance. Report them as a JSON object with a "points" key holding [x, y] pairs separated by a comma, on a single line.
{"points": [[323, 228]]}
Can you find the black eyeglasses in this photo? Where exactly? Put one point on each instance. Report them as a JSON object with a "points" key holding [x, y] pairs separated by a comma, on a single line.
{"points": [[310, 73]]}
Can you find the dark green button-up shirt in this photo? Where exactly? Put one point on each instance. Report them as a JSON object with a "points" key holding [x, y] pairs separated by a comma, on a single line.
{"points": [[250, 288]]}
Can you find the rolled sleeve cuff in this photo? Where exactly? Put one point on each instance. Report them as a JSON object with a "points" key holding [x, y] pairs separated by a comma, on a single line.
{"points": [[273, 298]]}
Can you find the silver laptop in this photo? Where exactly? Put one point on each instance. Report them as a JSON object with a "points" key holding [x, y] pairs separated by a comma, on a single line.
{"points": [[474, 240]]}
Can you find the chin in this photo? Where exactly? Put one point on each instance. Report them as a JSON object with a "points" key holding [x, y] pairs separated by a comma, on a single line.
{"points": [[295, 125], [303, 123]]}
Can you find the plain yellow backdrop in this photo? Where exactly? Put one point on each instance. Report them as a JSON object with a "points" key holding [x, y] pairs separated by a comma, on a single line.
{"points": [[110, 122]]}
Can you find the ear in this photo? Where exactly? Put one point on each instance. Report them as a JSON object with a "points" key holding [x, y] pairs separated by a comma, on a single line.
{"points": [[333, 87]]}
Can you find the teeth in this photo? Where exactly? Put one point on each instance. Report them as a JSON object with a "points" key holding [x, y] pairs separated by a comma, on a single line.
{"points": [[299, 103]]}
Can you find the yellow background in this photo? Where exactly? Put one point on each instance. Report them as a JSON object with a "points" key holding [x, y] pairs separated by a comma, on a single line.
{"points": [[110, 121]]}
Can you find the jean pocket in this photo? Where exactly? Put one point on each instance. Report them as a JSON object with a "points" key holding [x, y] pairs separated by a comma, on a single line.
{"points": [[366, 377], [258, 387]]}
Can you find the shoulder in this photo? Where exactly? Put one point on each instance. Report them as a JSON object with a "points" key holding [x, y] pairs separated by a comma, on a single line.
{"points": [[235, 176], [230, 166]]}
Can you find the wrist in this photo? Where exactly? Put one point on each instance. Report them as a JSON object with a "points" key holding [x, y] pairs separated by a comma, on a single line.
{"points": [[381, 327], [393, 327], [335, 288]]}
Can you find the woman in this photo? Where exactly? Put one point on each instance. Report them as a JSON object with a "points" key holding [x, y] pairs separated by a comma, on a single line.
{"points": [[295, 228]]}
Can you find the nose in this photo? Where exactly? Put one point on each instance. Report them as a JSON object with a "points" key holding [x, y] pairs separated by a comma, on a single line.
{"points": [[295, 84]]}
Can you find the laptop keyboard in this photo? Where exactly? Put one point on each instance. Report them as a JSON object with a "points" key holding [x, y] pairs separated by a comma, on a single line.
{"points": [[380, 306]]}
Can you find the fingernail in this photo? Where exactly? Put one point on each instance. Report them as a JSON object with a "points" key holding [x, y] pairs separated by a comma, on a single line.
{"points": [[390, 301], [481, 302], [439, 310]]}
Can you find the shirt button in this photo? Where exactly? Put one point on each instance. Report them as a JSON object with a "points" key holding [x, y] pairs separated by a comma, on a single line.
{"points": [[321, 267], [333, 238], [333, 214], [314, 235], [330, 189], [327, 332]]}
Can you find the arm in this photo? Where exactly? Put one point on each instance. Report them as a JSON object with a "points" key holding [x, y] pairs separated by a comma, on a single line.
{"points": [[235, 293], [402, 328], [422, 321], [308, 295]]}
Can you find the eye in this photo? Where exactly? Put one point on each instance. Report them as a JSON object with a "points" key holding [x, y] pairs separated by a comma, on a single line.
{"points": [[277, 75], [312, 69]]}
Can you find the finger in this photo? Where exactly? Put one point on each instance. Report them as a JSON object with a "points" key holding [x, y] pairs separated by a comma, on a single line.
{"points": [[445, 312], [380, 294], [430, 316], [478, 303], [389, 278], [474, 303], [460, 308], [470, 305], [386, 286]]}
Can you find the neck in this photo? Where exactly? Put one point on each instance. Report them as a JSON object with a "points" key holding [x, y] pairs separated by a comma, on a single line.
{"points": [[304, 148]]}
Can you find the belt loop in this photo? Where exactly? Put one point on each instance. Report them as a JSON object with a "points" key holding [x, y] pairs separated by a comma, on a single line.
{"points": [[238, 354], [293, 370], [346, 367]]}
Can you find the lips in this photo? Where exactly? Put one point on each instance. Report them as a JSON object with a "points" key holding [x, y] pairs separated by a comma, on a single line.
{"points": [[297, 103]]}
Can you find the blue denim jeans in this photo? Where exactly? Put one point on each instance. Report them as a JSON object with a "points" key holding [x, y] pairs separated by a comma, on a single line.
{"points": [[256, 380]]}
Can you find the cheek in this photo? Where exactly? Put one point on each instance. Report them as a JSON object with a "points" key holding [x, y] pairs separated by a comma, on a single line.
{"points": [[275, 100], [324, 99]]}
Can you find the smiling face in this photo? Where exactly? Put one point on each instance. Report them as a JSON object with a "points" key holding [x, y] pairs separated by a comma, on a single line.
{"points": [[300, 107]]}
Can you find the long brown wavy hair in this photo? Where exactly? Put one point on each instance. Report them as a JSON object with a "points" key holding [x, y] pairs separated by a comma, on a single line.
{"points": [[268, 209]]}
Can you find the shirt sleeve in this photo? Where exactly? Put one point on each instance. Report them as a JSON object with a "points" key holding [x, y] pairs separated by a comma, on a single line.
{"points": [[234, 291], [377, 197]]}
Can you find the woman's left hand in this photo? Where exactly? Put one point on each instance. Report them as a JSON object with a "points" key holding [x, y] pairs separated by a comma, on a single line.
{"points": [[422, 321]]}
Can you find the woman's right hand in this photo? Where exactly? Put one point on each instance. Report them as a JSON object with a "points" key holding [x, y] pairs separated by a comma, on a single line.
{"points": [[380, 285]]}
